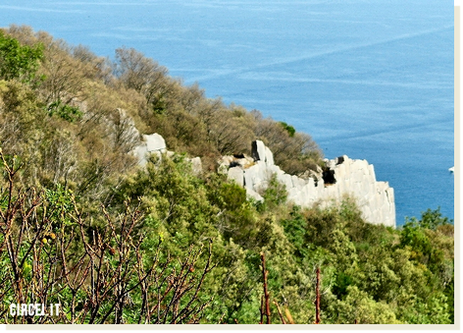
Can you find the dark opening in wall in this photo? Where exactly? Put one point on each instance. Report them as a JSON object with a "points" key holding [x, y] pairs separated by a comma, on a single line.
{"points": [[328, 176], [254, 152]]}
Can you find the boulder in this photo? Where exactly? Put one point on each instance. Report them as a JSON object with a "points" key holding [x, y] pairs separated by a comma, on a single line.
{"points": [[155, 142], [237, 175], [254, 195], [196, 165]]}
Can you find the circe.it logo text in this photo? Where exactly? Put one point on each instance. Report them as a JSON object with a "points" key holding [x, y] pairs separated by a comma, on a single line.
{"points": [[33, 309]]}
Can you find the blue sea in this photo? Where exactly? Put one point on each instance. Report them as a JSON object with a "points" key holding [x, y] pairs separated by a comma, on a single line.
{"points": [[372, 79]]}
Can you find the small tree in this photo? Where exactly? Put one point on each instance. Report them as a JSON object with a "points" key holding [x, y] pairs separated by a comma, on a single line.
{"points": [[18, 61]]}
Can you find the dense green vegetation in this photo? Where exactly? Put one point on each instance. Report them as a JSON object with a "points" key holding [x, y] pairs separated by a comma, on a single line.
{"points": [[83, 226]]}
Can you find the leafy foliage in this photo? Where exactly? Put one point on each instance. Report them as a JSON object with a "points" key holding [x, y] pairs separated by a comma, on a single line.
{"points": [[18, 61], [66, 112]]}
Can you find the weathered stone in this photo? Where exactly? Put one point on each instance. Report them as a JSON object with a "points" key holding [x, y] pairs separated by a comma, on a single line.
{"points": [[258, 151], [154, 142], [286, 180], [268, 156], [254, 195], [236, 174], [231, 161], [343, 176], [226, 160], [197, 166], [222, 169]]}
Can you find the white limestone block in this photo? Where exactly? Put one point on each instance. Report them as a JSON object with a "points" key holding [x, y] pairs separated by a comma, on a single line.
{"points": [[253, 194], [197, 166], [258, 150], [237, 175], [154, 142]]}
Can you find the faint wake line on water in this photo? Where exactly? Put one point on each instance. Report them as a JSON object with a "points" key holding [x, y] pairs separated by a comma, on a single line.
{"points": [[314, 55], [371, 133], [49, 10], [356, 82], [92, 3]]}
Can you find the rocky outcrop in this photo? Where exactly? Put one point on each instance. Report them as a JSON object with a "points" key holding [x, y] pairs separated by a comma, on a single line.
{"points": [[342, 176], [155, 144]]}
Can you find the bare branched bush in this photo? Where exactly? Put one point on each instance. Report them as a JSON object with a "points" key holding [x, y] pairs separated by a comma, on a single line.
{"points": [[51, 253]]}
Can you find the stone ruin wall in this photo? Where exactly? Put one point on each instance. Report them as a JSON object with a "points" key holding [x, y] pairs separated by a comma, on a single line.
{"points": [[355, 178]]}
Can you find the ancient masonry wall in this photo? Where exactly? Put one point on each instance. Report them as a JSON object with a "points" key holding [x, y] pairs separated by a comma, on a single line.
{"points": [[355, 178]]}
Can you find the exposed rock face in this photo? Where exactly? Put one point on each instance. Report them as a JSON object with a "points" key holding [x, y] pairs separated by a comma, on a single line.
{"points": [[346, 177], [196, 165], [155, 143], [151, 144], [342, 176], [261, 153]]}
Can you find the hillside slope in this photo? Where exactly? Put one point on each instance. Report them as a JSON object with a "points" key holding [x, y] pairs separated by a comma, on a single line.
{"points": [[83, 226]]}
